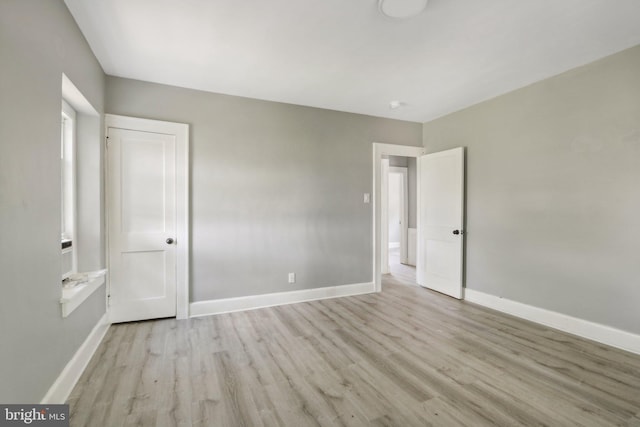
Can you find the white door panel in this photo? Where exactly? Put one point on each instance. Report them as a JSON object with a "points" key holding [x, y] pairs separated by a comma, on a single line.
{"points": [[143, 179], [440, 234], [142, 217]]}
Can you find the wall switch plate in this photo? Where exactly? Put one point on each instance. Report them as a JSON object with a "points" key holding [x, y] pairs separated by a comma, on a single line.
{"points": [[367, 197], [292, 277]]}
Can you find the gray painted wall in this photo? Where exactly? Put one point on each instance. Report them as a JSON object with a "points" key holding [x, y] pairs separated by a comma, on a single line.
{"points": [[397, 161], [276, 188], [39, 40], [552, 191], [90, 239]]}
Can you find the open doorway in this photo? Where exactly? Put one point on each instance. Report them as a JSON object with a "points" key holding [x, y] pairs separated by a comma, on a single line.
{"points": [[399, 214], [439, 255], [381, 153]]}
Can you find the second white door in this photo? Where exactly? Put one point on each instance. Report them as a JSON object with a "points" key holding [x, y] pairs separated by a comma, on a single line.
{"points": [[142, 224]]}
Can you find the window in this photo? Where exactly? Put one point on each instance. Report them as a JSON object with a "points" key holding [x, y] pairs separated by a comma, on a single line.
{"points": [[81, 209], [67, 186]]}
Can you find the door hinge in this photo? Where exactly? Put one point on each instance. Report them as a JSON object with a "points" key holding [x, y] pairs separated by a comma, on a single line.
{"points": [[108, 300]]}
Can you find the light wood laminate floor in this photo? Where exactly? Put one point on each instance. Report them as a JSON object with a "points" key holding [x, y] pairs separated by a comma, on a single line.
{"points": [[403, 357], [401, 272]]}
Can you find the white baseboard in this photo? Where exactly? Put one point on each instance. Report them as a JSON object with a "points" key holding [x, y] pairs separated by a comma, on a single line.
{"points": [[228, 305], [583, 328], [62, 387]]}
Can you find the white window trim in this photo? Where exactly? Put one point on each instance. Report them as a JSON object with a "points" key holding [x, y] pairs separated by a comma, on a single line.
{"points": [[68, 182]]}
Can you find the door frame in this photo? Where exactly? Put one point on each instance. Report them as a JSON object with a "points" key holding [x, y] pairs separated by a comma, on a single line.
{"points": [[181, 133], [384, 216], [379, 150]]}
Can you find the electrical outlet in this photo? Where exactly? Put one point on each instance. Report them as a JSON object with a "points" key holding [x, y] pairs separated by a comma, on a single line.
{"points": [[292, 277], [367, 198]]}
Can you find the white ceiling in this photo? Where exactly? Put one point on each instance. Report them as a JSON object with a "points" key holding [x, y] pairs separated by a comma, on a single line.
{"points": [[344, 55]]}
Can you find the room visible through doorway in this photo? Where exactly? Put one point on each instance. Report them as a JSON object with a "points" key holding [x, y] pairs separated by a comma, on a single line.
{"points": [[400, 216]]}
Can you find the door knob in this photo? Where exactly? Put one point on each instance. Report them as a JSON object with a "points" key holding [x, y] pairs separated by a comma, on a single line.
{"points": [[456, 232], [169, 241]]}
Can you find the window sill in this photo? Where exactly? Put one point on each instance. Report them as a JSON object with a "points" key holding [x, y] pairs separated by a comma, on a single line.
{"points": [[72, 297]]}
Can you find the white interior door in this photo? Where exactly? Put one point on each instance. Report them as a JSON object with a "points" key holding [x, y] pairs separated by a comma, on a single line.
{"points": [[142, 224], [441, 216]]}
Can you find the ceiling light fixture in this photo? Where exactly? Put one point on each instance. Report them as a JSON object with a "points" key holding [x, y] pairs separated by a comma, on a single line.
{"points": [[395, 104], [402, 9]]}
